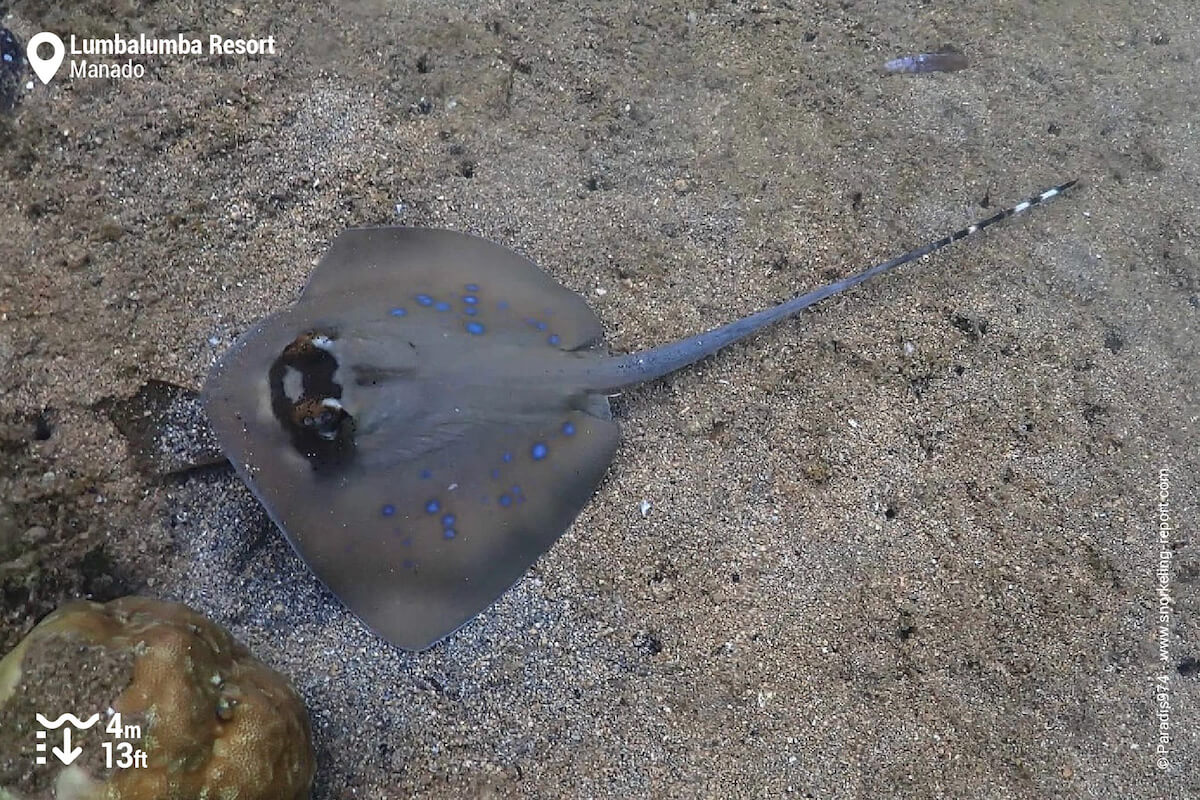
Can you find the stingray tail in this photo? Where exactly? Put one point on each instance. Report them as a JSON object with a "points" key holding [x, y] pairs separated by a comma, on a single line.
{"points": [[659, 361]]}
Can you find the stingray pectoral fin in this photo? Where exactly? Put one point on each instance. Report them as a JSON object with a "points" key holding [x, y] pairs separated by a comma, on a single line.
{"points": [[424, 274], [237, 394], [419, 548]]}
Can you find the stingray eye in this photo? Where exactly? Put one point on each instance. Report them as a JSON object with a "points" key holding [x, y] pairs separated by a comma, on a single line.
{"points": [[309, 347], [329, 421]]}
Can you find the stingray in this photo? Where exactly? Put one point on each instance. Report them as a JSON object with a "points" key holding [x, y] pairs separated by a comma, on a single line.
{"points": [[432, 413]]}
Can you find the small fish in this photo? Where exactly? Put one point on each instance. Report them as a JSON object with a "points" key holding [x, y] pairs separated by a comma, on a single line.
{"points": [[432, 413], [11, 57], [948, 60], [12, 69]]}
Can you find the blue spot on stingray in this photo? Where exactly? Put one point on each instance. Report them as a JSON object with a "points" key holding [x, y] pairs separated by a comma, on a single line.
{"points": [[449, 533], [505, 500], [553, 339], [448, 521], [424, 299], [507, 457], [472, 287], [406, 541], [495, 474], [474, 328], [388, 510], [399, 312], [541, 326], [443, 306], [502, 305], [470, 311], [516, 491], [408, 563], [433, 506], [568, 429], [538, 451], [470, 299], [426, 474]]}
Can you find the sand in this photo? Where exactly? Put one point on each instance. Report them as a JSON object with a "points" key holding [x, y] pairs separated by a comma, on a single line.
{"points": [[903, 546]]}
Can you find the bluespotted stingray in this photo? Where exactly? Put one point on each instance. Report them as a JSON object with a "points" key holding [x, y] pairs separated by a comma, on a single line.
{"points": [[432, 414]]}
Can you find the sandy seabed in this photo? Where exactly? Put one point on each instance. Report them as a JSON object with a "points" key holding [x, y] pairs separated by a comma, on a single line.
{"points": [[904, 546]]}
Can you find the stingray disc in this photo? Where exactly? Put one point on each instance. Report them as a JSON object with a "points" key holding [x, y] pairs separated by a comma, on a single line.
{"points": [[407, 426]]}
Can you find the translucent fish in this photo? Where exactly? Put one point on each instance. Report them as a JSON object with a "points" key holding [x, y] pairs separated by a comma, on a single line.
{"points": [[945, 61]]}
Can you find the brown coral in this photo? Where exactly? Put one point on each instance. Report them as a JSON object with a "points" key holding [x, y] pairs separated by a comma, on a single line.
{"points": [[215, 723]]}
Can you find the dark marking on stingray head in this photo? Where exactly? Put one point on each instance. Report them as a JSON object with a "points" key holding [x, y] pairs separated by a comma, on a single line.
{"points": [[306, 401], [410, 424]]}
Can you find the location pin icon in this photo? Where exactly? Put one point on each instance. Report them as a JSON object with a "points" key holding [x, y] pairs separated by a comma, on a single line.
{"points": [[45, 67]]}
